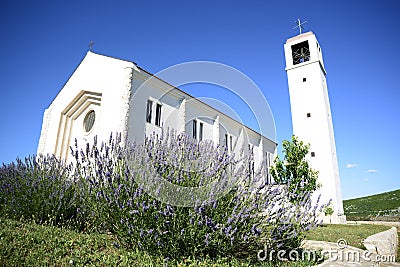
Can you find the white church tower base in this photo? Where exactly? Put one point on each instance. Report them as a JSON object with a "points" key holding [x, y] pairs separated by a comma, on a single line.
{"points": [[311, 117]]}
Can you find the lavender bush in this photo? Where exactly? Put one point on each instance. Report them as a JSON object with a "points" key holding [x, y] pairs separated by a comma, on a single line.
{"points": [[156, 196], [170, 196], [39, 189]]}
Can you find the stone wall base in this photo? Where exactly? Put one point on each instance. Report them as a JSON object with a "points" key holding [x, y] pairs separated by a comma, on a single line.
{"points": [[334, 219]]}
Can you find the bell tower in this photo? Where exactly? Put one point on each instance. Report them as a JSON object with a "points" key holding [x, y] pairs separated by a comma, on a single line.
{"points": [[311, 115]]}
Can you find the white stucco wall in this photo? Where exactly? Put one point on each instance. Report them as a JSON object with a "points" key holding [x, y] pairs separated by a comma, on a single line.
{"points": [[99, 83]]}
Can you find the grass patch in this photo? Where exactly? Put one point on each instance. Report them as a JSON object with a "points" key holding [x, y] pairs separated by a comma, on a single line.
{"points": [[385, 206], [28, 244], [353, 234], [37, 245]]}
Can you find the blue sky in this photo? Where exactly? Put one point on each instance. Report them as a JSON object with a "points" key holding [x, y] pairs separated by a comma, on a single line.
{"points": [[42, 42]]}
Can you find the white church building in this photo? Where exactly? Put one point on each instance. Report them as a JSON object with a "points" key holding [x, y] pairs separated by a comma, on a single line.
{"points": [[107, 95]]}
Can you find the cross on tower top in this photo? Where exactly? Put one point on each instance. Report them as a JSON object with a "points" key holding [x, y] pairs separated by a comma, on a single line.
{"points": [[299, 25], [91, 45]]}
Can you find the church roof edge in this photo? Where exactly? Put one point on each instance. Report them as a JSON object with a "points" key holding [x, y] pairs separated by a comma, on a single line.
{"points": [[99, 54]]}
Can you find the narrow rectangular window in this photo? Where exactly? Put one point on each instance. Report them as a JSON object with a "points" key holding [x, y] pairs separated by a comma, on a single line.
{"points": [[267, 167], [194, 129], [201, 131], [226, 141], [251, 168], [231, 142], [158, 115], [251, 148], [149, 110]]}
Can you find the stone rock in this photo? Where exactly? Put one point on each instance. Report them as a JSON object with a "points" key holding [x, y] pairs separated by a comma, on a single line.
{"points": [[384, 243]]}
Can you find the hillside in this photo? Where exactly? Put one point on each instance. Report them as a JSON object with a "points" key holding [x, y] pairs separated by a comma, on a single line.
{"points": [[385, 206]]}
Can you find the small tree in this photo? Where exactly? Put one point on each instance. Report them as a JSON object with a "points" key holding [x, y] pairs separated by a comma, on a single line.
{"points": [[328, 211], [294, 170]]}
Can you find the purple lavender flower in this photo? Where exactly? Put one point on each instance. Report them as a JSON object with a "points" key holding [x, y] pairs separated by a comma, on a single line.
{"points": [[206, 240], [141, 233]]}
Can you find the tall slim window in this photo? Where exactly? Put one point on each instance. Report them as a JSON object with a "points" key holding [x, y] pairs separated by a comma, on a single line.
{"points": [[158, 115], [149, 110], [268, 163], [231, 142], [251, 168], [194, 129], [201, 131], [251, 148], [226, 141]]}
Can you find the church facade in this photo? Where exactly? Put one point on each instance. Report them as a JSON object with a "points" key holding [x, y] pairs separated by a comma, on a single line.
{"points": [[106, 95]]}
